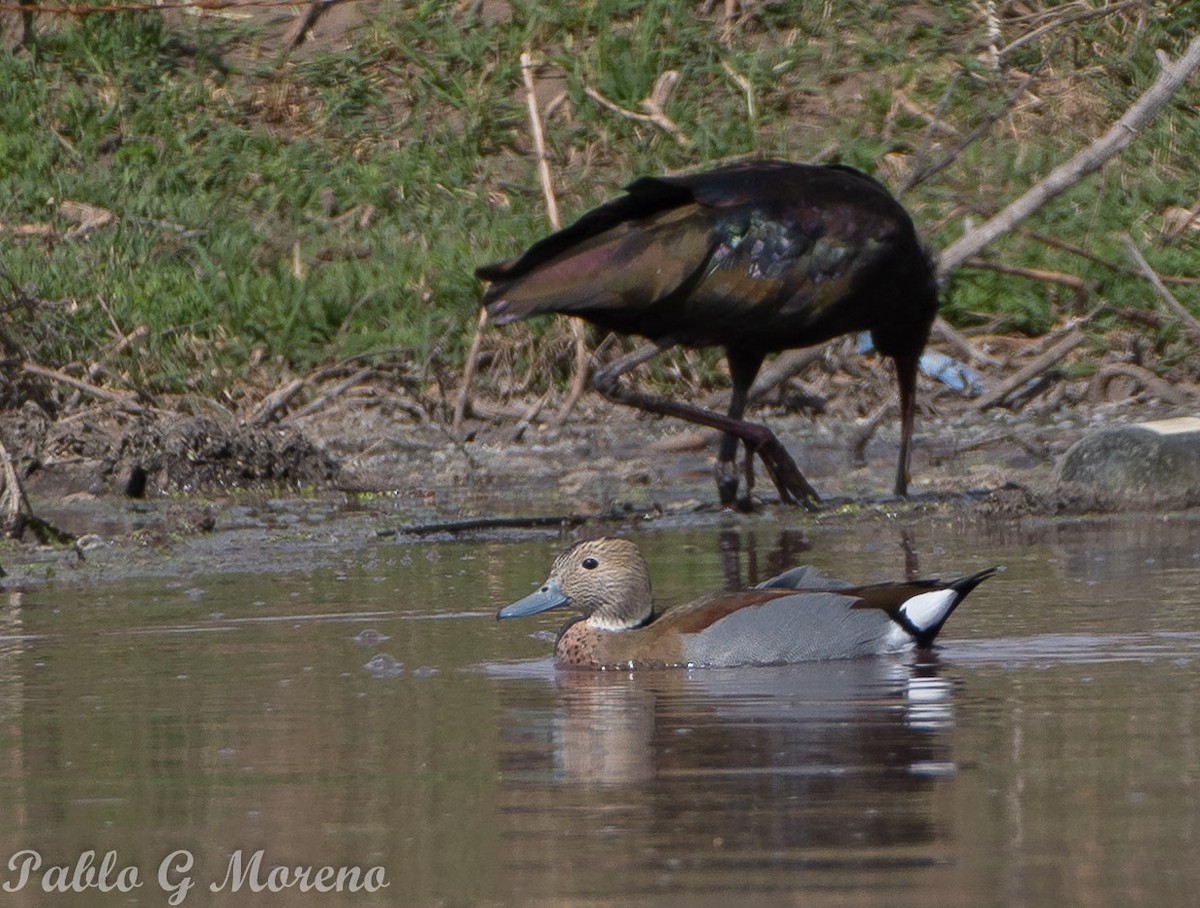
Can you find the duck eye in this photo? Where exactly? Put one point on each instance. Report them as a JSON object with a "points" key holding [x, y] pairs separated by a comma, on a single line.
{"points": [[590, 563]]}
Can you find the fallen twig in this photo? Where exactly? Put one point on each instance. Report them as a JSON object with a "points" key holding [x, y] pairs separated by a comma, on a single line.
{"points": [[124, 400], [1100, 260], [578, 336], [864, 432], [728, 22], [276, 401], [933, 121], [85, 217], [1184, 219], [1190, 322], [325, 397], [922, 173], [43, 231], [954, 449], [124, 341], [79, 10], [300, 29], [1163, 390], [1034, 369], [186, 233], [992, 34], [783, 367], [747, 89], [1146, 317], [654, 104], [539, 141], [786, 365], [15, 504], [270, 406], [962, 346], [1059, 21], [918, 161], [579, 373], [528, 417], [1077, 284], [464, 386]]}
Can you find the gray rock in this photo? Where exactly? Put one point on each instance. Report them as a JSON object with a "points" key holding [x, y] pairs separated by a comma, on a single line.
{"points": [[1151, 463]]}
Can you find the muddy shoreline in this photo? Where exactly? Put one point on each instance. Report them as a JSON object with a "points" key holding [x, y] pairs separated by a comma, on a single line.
{"points": [[186, 493]]}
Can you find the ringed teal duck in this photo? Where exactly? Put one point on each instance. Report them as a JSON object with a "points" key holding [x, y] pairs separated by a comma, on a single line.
{"points": [[795, 617]]}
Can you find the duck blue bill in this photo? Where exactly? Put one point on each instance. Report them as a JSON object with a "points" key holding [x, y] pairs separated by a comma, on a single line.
{"points": [[548, 597]]}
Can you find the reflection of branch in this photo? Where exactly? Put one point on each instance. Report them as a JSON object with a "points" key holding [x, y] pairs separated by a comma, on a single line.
{"points": [[1189, 321], [1170, 77]]}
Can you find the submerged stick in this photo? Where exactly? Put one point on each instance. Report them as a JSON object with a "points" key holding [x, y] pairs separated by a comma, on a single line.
{"points": [[487, 523]]}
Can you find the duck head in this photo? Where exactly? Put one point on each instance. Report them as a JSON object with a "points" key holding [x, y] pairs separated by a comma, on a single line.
{"points": [[604, 579]]}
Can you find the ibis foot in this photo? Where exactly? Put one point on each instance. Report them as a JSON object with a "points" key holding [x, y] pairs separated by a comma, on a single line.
{"points": [[758, 439], [727, 484], [793, 487]]}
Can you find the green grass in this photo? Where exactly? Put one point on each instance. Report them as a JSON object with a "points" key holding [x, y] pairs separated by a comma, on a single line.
{"points": [[296, 211]]}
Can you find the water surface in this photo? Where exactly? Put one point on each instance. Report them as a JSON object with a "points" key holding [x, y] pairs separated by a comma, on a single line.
{"points": [[373, 714]]}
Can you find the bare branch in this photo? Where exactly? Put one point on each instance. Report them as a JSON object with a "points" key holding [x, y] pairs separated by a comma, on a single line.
{"points": [[1100, 260], [1077, 284], [1088, 160]]}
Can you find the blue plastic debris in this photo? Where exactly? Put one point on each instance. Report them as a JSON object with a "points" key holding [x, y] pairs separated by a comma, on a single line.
{"points": [[953, 373]]}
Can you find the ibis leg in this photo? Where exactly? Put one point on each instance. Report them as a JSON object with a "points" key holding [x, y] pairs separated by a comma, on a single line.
{"points": [[906, 383], [742, 370], [793, 487]]}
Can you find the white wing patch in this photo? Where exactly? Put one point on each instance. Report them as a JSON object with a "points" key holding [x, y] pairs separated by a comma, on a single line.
{"points": [[925, 610]]}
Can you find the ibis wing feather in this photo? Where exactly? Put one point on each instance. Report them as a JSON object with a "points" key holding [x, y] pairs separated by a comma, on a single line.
{"points": [[763, 255]]}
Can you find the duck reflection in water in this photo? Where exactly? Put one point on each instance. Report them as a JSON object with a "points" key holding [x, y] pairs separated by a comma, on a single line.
{"points": [[821, 768]]}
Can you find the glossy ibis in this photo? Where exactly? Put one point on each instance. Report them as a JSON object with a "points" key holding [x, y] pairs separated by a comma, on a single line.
{"points": [[755, 257]]}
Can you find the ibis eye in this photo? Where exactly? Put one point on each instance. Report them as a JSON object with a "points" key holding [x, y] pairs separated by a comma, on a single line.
{"points": [[590, 563]]}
